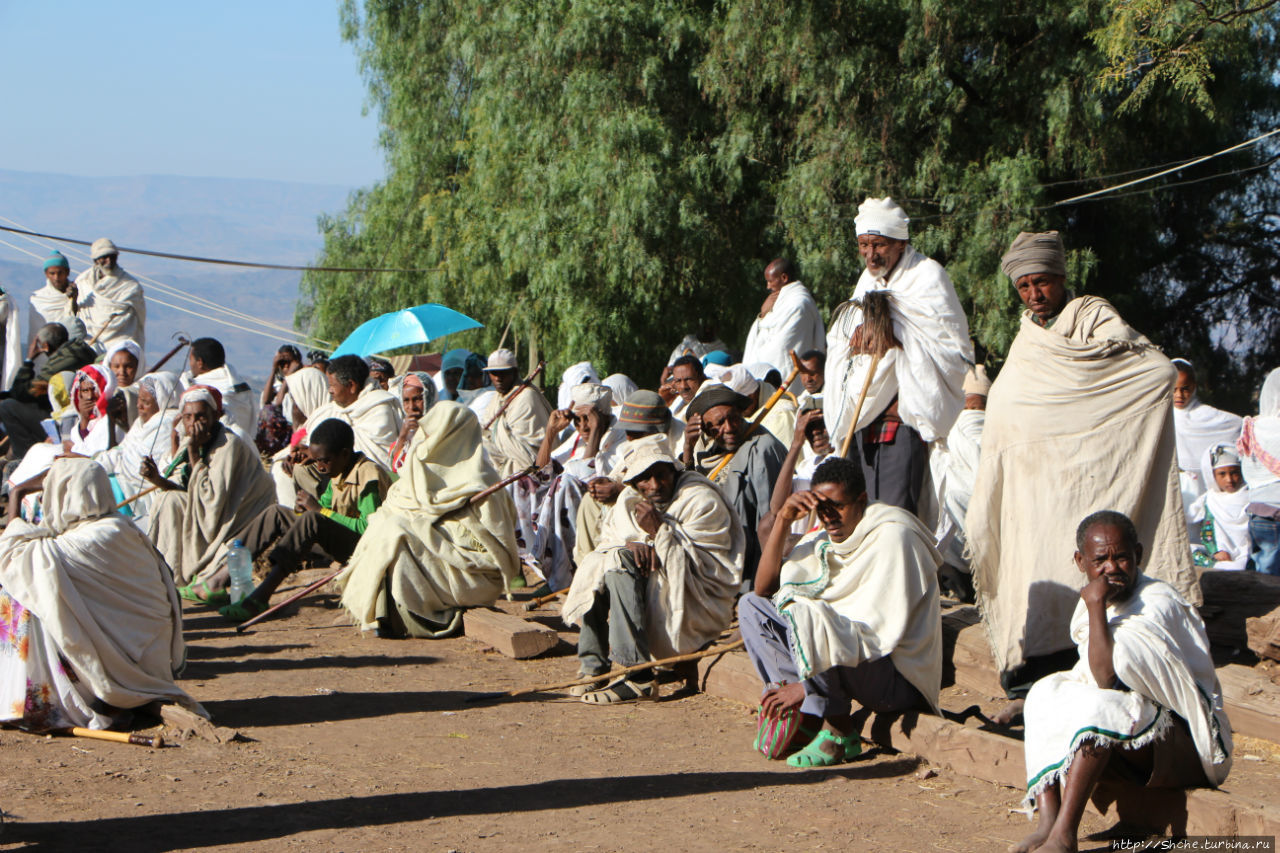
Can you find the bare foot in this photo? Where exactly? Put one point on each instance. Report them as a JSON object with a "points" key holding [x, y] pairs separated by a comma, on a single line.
{"points": [[1058, 845], [1033, 841], [1009, 713]]}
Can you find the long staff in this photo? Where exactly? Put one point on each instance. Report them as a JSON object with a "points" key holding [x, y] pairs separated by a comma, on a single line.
{"points": [[760, 415], [305, 591], [524, 383], [609, 676], [857, 409], [182, 342]]}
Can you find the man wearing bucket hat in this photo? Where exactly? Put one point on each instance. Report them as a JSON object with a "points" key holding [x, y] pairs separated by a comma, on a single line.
{"points": [[111, 301], [513, 439]]}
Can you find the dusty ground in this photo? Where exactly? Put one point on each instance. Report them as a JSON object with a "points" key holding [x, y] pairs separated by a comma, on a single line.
{"points": [[360, 744]]}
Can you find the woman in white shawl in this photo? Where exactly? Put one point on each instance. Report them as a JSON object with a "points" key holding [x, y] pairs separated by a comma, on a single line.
{"points": [[307, 391], [428, 552], [150, 435], [94, 429], [1221, 514], [1259, 447], [124, 360], [1197, 427], [90, 623]]}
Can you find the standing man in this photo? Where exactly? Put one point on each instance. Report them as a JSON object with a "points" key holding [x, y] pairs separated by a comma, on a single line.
{"points": [[55, 301], [111, 301], [788, 321], [1080, 418], [914, 396]]}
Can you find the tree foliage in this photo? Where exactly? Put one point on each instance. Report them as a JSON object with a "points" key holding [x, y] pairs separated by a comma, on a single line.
{"points": [[607, 175]]}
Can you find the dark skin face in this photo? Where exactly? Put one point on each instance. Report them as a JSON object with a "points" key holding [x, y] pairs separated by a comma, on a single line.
{"points": [[686, 381], [147, 406], [811, 375], [504, 380], [106, 262], [342, 393], [774, 278], [1110, 562], [125, 367], [383, 379], [452, 377], [86, 396], [839, 511], [1228, 478], [331, 463], [1184, 388], [199, 419], [880, 254], [657, 484], [726, 425], [58, 277], [815, 432], [1042, 294], [975, 401], [413, 402]]}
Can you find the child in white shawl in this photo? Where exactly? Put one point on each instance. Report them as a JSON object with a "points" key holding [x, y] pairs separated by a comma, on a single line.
{"points": [[1222, 513], [1143, 702]]}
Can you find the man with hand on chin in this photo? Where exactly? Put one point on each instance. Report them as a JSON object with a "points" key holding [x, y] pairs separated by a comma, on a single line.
{"points": [[853, 614]]}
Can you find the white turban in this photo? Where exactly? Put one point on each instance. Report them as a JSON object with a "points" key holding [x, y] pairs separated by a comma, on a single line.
{"points": [[761, 369], [976, 381], [739, 379], [204, 394], [102, 247], [592, 394], [883, 217], [574, 375]]}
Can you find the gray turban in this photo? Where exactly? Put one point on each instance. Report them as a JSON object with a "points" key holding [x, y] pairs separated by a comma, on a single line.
{"points": [[1033, 254]]}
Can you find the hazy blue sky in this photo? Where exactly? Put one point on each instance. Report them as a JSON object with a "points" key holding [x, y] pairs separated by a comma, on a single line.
{"points": [[263, 89]]}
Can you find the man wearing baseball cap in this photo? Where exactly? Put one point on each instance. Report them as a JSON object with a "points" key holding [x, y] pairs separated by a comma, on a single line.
{"points": [[514, 438]]}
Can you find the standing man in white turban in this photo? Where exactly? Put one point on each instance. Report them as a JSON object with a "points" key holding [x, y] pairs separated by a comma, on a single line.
{"points": [[111, 301], [914, 397], [55, 302], [788, 320], [1080, 419]]}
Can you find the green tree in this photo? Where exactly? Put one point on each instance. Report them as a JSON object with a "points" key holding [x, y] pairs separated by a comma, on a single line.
{"points": [[607, 175]]}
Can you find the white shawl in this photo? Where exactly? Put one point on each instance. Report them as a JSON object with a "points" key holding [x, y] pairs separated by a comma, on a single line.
{"points": [[112, 306], [12, 351], [793, 324], [308, 390], [1079, 420], [872, 595], [375, 418], [239, 403], [48, 305], [1199, 427], [926, 373], [955, 466], [1230, 517], [513, 440], [1259, 444], [700, 546], [1161, 653], [99, 589]]}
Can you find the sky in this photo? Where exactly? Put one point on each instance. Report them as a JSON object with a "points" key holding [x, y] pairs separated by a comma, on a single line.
{"points": [[263, 89]]}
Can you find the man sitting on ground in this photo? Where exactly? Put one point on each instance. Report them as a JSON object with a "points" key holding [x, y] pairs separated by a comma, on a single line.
{"points": [[429, 552], [513, 439], [663, 577], [681, 383], [220, 488], [1143, 704], [355, 488], [853, 614], [28, 402], [207, 365], [375, 415], [813, 377]]}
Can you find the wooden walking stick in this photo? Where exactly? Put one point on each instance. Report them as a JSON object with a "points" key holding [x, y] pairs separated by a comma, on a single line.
{"points": [[94, 339], [857, 408], [609, 676], [153, 741], [760, 415], [877, 339], [524, 383], [307, 590], [534, 604], [142, 494], [182, 342]]}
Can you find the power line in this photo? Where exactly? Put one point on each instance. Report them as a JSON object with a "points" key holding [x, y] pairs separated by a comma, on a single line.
{"points": [[222, 261]]}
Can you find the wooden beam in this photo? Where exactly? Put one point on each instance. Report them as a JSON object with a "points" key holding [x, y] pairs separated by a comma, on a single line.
{"points": [[509, 634]]}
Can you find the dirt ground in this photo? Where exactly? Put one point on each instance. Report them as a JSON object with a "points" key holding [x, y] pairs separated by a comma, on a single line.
{"points": [[353, 743]]}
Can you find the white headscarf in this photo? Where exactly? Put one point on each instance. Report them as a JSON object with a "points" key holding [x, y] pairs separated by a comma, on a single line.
{"points": [[575, 375], [128, 345], [309, 388], [622, 387], [164, 386], [1230, 509]]}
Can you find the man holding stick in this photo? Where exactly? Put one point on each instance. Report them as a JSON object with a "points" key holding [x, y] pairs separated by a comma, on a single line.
{"points": [[663, 577], [914, 394], [514, 436]]}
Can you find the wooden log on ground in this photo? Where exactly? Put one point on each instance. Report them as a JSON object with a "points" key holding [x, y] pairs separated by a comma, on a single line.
{"points": [[509, 634], [1242, 610], [187, 723]]}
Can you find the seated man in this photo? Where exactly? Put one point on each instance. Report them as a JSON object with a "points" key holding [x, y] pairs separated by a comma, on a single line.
{"points": [[28, 402], [355, 488], [375, 415], [207, 365], [91, 624], [429, 552], [221, 487], [1143, 703], [813, 377], [750, 475], [853, 614], [513, 438], [680, 382], [663, 577]]}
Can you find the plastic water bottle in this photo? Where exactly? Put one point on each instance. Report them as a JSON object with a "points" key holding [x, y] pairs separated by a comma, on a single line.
{"points": [[240, 565]]}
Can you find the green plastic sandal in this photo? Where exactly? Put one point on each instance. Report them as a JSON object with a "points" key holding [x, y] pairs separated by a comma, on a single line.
{"points": [[211, 597], [245, 610], [848, 748]]}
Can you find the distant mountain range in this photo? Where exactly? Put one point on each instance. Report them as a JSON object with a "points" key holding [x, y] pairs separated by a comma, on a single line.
{"points": [[268, 221]]}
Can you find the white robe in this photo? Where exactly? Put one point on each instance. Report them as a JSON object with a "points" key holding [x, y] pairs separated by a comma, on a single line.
{"points": [[871, 596], [1230, 519], [47, 305], [513, 440], [113, 307], [239, 403], [1161, 653], [926, 373], [1198, 427], [955, 467], [375, 418], [793, 324], [11, 350]]}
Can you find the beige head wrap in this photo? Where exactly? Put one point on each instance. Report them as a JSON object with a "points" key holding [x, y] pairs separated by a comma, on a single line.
{"points": [[642, 454], [1032, 254], [593, 394], [976, 381]]}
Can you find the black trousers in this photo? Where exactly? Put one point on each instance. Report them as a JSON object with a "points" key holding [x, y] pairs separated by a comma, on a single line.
{"points": [[298, 534], [894, 469]]}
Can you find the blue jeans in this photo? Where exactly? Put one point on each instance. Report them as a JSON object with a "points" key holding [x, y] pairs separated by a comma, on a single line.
{"points": [[1265, 533]]}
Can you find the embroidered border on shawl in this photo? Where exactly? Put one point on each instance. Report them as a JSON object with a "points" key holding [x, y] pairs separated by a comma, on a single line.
{"points": [[1095, 735]]}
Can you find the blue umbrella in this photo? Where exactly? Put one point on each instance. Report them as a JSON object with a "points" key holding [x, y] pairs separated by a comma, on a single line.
{"points": [[404, 328]]}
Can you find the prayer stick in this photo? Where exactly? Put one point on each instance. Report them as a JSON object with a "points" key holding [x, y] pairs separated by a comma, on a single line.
{"points": [[182, 342], [524, 383], [609, 676], [761, 415], [857, 409], [543, 599], [155, 742], [142, 494], [307, 590]]}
